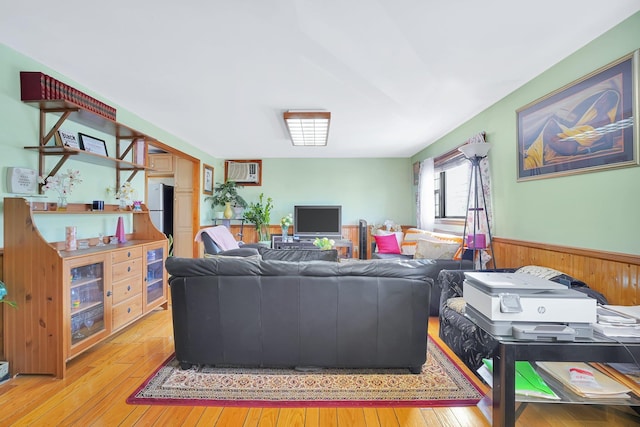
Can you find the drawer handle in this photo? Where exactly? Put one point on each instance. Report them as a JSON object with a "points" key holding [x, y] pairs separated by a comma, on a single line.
{"points": [[128, 254], [108, 293], [129, 287], [129, 310], [128, 269]]}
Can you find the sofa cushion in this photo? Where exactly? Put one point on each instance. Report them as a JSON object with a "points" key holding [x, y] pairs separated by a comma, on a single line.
{"points": [[239, 252], [436, 249], [298, 254], [387, 244]]}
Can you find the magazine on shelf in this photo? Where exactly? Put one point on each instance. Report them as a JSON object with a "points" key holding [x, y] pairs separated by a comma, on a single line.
{"points": [[585, 380], [625, 373]]}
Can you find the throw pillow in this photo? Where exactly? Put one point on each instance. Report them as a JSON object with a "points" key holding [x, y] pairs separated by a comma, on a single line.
{"points": [[457, 304], [413, 235], [435, 249], [387, 244], [538, 271], [399, 236]]}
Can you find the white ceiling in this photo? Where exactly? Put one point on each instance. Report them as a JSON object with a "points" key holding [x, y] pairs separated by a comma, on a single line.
{"points": [[395, 74]]}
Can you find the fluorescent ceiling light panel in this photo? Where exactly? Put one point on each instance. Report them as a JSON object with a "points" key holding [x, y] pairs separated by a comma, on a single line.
{"points": [[308, 128]]}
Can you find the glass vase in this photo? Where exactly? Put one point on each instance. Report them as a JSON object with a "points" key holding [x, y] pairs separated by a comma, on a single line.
{"points": [[62, 203], [263, 233], [285, 233]]}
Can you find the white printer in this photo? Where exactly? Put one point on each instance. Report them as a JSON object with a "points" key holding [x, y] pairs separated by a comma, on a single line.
{"points": [[523, 306]]}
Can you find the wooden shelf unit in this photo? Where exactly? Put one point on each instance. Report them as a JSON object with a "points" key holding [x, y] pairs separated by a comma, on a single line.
{"points": [[48, 328], [125, 138]]}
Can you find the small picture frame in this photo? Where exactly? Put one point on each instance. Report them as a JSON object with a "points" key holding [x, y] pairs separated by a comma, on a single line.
{"points": [[207, 179], [93, 145], [67, 139]]}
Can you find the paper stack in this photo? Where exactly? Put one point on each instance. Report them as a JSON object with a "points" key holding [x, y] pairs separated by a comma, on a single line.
{"points": [[617, 321], [585, 380]]}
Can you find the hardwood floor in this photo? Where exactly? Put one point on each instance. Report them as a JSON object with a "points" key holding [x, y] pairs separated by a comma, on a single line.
{"points": [[99, 381]]}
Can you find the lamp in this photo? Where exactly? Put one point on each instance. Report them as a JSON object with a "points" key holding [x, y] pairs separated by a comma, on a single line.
{"points": [[475, 152], [308, 128]]}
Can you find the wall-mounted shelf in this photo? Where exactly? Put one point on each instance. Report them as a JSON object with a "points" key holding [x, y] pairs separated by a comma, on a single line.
{"points": [[125, 138], [40, 208]]}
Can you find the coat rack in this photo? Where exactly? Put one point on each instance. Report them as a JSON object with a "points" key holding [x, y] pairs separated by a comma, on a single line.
{"points": [[476, 241]]}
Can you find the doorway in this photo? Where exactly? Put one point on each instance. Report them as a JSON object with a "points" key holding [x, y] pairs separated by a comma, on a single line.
{"points": [[180, 172]]}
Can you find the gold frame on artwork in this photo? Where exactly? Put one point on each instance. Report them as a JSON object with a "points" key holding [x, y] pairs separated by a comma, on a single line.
{"points": [[207, 179], [588, 125]]}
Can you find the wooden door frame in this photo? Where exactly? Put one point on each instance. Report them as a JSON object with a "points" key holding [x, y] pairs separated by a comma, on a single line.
{"points": [[195, 208]]}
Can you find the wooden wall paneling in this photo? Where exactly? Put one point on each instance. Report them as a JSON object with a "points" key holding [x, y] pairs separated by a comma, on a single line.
{"points": [[615, 275]]}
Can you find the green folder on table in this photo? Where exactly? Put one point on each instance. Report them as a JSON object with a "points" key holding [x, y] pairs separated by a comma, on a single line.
{"points": [[528, 381]]}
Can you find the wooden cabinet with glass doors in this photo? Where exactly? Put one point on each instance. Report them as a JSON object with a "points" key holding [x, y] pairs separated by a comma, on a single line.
{"points": [[68, 301], [88, 320]]}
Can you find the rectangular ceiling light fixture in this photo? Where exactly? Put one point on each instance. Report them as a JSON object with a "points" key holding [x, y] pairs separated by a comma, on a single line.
{"points": [[308, 128]]}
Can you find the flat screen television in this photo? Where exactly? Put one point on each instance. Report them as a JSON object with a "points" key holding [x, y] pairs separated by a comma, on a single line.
{"points": [[317, 221]]}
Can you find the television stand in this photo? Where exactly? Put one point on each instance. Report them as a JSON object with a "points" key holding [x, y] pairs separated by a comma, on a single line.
{"points": [[344, 246]]}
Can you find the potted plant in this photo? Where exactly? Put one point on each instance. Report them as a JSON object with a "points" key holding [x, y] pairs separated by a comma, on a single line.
{"points": [[259, 214], [3, 293], [227, 195]]}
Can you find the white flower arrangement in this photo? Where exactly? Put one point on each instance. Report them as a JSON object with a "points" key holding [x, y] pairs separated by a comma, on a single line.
{"points": [[126, 193], [388, 225], [62, 183], [286, 221]]}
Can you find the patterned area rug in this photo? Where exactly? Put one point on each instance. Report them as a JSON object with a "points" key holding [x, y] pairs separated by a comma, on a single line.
{"points": [[441, 383]]}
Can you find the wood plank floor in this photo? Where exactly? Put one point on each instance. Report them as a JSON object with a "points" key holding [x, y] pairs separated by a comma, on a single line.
{"points": [[99, 381]]}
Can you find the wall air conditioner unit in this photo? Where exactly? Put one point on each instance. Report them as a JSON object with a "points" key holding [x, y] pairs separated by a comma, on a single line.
{"points": [[241, 172]]}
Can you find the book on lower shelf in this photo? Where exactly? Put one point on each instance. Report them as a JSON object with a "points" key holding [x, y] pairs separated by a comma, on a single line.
{"points": [[625, 373], [528, 381], [585, 380]]}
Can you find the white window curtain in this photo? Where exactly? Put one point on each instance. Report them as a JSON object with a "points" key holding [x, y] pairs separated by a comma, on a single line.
{"points": [[426, 196]]}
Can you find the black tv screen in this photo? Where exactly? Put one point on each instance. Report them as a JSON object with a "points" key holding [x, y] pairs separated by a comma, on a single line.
{"points": [[320, 221]]}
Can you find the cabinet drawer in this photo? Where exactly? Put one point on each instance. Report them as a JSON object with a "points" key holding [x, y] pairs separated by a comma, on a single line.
{"points": [[125, 270], [127, 311], [126, 254], [126, 289]]}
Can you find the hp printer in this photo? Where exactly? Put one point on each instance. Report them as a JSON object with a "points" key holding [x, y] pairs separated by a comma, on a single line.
{"points": [[523, 306]]}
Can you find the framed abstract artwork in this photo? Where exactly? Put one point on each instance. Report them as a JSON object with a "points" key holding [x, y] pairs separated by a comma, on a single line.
{"points": [[207, 179], [588, 125]]}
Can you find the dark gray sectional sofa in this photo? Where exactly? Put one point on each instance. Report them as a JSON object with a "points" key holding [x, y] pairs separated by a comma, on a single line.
{"points": [[271, 313]]}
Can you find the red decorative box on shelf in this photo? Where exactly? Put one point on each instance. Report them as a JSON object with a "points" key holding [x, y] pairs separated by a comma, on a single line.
{"points": [[37, 86]]}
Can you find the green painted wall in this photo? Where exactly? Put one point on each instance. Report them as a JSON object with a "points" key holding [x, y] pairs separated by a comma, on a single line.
{"points": [[373, 189], [597, 210]]}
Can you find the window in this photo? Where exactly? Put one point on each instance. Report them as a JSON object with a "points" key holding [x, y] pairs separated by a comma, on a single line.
{"points": [[451, 183]]}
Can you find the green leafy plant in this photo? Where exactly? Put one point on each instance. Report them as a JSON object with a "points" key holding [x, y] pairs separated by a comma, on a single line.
{"points": [[226, 193], [3, 293], [259, 214], [324, 243]]}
